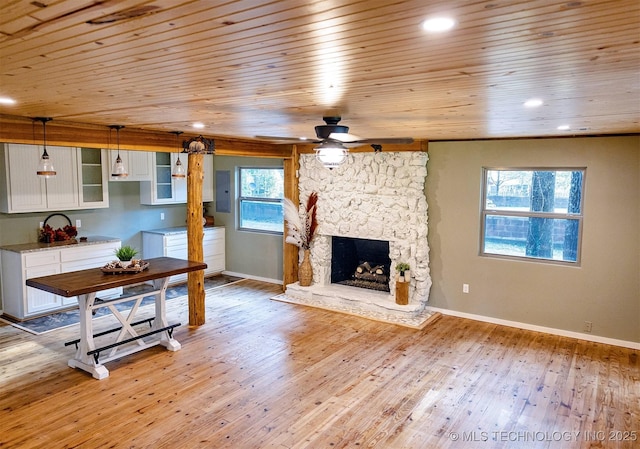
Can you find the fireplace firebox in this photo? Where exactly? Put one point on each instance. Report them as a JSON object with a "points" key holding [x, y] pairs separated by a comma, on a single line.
{"points": [[360, 263]]}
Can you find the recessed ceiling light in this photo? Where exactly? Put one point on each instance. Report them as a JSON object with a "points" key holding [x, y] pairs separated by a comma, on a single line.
{"points": [[7, 100], [533, 103], [438, 24], [198, 125], [564, 128]]}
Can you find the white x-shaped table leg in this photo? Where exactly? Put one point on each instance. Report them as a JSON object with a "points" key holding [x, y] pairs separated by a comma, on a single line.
{"points": [[126, 324]]}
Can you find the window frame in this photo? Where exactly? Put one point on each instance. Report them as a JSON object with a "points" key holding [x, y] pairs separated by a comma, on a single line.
{"points": [[484, 213], [241, 198]]}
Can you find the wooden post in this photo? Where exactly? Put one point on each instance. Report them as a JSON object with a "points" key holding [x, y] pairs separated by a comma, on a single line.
{"points": [[195, 234], [290, 252]]}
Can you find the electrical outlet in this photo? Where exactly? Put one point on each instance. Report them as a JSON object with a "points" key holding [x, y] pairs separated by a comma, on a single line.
{"points": [[587, 326], [161, 215], [78, 224], [465, 288]]}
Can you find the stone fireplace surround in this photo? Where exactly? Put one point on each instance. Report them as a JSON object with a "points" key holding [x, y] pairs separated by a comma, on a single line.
{"points": [[372, 196]]}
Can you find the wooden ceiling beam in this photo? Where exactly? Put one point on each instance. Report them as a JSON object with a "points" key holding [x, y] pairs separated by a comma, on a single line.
{"points": [[26, 131]]}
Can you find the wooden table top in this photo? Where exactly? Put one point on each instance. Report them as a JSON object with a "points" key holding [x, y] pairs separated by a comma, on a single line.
{"points": [[82, 282]]}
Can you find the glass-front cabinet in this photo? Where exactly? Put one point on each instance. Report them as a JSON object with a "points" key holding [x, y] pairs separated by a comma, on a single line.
{"points": [[168, 189], [93, 172], [163, 189]]}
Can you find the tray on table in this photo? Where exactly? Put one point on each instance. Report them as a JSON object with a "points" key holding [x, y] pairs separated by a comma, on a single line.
{"points": [[137, 269]]}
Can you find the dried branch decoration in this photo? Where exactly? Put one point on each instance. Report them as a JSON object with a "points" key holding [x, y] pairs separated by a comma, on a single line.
{"points": [[301, 226]]}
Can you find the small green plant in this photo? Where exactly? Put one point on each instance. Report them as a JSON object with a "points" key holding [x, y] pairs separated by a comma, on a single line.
{"points": [[402, 267], [126, 253]]}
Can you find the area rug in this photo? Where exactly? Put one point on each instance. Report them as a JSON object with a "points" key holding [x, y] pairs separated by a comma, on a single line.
{"points": [[68, 318]]}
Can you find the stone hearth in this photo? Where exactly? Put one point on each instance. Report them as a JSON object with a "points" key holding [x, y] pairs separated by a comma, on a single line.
{"points": [[372, 196]]}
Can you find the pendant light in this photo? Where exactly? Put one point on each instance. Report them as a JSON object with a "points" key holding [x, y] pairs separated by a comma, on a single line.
{"points": [[45, 166], [118, 170], [178, 169]]}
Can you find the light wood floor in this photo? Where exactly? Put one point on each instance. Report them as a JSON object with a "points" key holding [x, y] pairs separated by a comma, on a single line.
{"points": [[266, 374]]}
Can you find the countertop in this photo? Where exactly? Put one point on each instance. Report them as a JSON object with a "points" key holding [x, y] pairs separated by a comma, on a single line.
{"points": [[176, 230], [37, 246]]}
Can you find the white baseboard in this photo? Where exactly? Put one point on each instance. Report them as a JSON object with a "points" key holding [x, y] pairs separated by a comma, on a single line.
{"points": [[255, 278], [492, 320], [536, 328]]}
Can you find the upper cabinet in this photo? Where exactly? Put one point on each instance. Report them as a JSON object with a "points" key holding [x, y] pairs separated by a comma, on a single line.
{"points": [[139, 164], [93, 174], [163, 189], [80, 182]]}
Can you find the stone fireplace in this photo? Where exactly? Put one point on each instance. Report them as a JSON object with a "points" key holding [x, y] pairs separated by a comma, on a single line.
{"points": [[376, 197]]}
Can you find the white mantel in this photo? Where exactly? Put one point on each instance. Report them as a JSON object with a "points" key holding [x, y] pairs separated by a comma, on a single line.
{"points": [[372, 196]]}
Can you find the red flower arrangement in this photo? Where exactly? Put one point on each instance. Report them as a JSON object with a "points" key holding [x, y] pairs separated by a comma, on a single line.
{"points": [[48, 234]]}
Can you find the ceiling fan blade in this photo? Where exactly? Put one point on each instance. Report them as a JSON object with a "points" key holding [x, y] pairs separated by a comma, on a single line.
{"points": [[288, 139], [389, 140], [344, 137]]}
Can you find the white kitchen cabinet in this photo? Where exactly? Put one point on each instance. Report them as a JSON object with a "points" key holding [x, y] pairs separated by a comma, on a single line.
{"points": [[20, 301], [163, 189], [172, 242], [93, 173], [36, 265], [78, 184], [26, 191], [62, 189], [139, 164]]}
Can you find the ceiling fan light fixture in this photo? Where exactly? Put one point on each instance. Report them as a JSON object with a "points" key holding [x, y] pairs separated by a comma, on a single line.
{"points": [[45, 165], [331, 153]]}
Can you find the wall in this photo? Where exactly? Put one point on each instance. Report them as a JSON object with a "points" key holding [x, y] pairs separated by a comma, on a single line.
{"points": [[254, 254], [124, 219], [605, 289]]}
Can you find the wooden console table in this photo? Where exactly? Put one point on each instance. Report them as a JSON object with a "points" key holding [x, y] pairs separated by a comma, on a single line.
{"points": [[85, 283]]}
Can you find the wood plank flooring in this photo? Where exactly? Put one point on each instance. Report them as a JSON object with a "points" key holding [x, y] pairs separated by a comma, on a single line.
{"points": [[266, 374]]}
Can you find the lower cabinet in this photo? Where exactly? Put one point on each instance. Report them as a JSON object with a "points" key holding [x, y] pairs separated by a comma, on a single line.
{"points": [[171, 243], [21, 302]]}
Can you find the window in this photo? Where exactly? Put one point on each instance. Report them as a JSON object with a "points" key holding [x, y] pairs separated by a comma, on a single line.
{"points": [[261, 195], [532, 213]]}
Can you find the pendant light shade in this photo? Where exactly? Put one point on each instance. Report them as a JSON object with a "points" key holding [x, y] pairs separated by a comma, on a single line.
{"points": [[45, 165], [118, 170], [178, 169], [331, 153]]}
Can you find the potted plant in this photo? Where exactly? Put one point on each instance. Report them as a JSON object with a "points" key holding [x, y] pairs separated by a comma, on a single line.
{"points": [[125, 253], [403, 269]]}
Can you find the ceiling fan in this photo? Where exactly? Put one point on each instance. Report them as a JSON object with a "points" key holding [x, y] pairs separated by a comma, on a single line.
{"points": [[334, 141]]}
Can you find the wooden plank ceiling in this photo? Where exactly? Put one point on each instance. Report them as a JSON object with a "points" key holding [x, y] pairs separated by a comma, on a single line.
{"points": [[246, 68]]}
